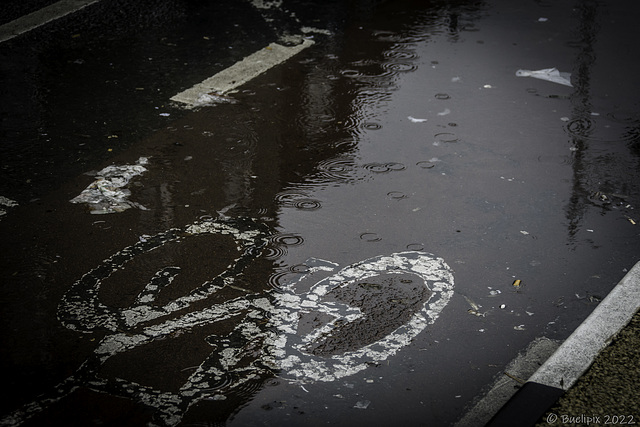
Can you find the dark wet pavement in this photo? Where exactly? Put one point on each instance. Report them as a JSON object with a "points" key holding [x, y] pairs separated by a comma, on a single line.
{"points": [[405, 129]]}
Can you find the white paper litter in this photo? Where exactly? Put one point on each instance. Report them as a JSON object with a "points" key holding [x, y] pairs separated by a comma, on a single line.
{"points": [[107, 193], [548, 74], [362, 404], [414, 120]]}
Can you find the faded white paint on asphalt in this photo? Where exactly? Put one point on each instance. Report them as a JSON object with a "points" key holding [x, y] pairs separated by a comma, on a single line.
{"points": [[239, 73], [436, 276], [40, 17], [107, 194], [267, 323]]}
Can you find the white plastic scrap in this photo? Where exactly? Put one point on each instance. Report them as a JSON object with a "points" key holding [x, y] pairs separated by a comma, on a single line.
{"points": [[414, 120], [362, 404], [548, 74], [107, 193]]}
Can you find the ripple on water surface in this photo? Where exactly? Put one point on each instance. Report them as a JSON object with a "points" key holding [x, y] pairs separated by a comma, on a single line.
{"points": [[370, 237], [337, 170], [616, 126], [445, 137], [384, 167], [294, 199], [277, 244]]}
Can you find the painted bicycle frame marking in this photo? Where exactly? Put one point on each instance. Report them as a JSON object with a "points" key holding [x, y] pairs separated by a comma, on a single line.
{"points": [[269, 322]]}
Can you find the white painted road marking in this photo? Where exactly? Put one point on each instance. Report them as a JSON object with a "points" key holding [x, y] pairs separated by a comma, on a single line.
{"points": [[107, 194], [267, 323], [40, 17], [300, 365], [241, 72]]}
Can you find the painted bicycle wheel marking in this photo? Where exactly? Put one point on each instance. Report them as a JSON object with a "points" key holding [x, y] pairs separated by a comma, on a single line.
{"points": [[269, 327], [433, 271]]}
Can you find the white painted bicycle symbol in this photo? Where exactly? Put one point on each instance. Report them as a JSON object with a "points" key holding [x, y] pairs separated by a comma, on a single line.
{"points": [[334, 328]]}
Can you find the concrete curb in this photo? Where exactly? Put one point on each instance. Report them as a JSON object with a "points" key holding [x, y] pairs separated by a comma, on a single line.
{"points": [[505, 386], [570, 361]]}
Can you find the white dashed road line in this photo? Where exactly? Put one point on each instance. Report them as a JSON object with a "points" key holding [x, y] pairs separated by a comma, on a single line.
{"points": [[240, 72], [40, 17]]}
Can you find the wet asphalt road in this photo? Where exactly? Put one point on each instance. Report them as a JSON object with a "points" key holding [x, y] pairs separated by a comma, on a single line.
{"points": [[403, 128]]}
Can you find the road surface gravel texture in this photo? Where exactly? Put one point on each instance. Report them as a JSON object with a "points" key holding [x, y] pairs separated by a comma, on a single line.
{"points": [[366, 231]]}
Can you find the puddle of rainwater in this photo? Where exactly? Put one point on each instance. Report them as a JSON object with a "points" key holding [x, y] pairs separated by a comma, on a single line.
{"points": [[342, 175], [465, 183]]}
